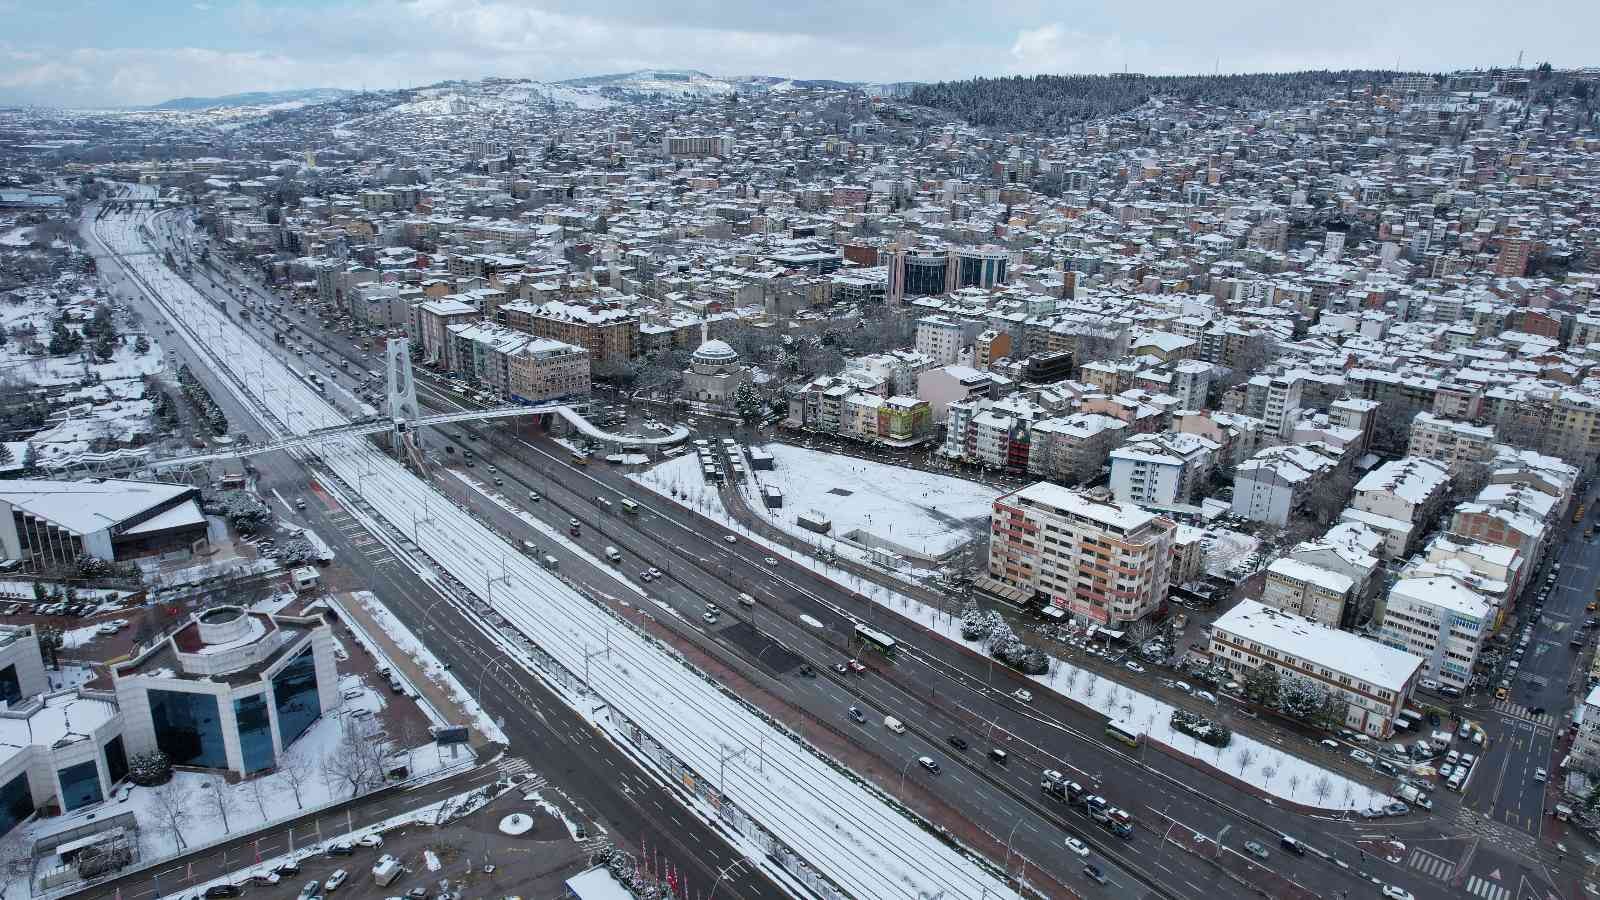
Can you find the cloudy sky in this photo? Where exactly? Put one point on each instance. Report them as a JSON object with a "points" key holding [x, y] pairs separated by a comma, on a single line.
{"points": [[122, 52]]}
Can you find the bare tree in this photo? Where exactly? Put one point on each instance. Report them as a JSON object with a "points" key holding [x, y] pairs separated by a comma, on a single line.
{"points": [[219, 799], [295, 772], [171, 802], [259, 790], [356, 762], [1244, 758], [1294, 786]]}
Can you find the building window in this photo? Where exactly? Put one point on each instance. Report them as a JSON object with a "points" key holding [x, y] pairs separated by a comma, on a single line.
{"points": [[188, 728], [80, 786], [10, 687], [294, 692], [255, 732], [16, 802], [116, 760]]}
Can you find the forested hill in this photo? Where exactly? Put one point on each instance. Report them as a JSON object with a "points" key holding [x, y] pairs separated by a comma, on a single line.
{"points": [[1051, 103]]}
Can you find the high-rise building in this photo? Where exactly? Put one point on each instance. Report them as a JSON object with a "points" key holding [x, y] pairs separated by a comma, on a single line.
{"points": [[1102, 561], [1513, 259]]}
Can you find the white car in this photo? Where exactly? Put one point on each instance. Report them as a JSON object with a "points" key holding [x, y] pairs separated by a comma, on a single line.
{"points": [[337, 878], [1395, 892], [1076, 846], [1023, 694], [770, 560], [1540, 775], [1132, 666], [729, 539], [370, 840]]}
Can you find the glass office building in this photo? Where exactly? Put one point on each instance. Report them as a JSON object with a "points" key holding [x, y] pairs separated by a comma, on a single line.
{"points": [[294, 691], [188, 728], [255, 732]]}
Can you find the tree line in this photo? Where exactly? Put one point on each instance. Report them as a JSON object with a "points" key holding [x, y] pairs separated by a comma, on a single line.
{"points": [[1054, 103]]}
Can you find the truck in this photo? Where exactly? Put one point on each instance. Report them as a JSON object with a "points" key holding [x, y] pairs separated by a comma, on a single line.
{"points": [[1441, 740], [1415, 796], [386, 870]]}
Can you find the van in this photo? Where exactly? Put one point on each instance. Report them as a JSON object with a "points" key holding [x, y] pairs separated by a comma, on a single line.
{"points": [[746, 600], [997, 756], [386, 870], [893, 724], [613, 554], [1290, 844], [550, 562]]}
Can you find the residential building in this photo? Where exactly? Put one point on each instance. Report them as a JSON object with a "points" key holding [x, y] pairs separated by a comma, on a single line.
{"points": [[1162, 470], [1308, 590], [1374, 680], [1102, 562], [1441, 620]]}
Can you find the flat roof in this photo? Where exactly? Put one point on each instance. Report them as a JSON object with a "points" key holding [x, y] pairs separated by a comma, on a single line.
{"points": [[1124, 516], [1338, 651]]}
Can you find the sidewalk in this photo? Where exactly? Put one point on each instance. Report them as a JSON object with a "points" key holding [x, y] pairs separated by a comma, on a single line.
{"points": [[408, 668]]}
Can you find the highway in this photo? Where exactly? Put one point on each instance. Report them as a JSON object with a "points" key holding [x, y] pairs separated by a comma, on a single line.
{"points": [[938, 689], [637, 811]]}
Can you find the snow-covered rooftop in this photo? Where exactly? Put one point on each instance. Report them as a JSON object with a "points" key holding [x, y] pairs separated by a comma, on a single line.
{"points": [[1339, 651], [84, 507]]}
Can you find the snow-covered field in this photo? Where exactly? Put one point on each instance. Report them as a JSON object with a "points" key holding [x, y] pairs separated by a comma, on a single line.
{"points": [[1276, 772], [868, 503], [839, 826]]}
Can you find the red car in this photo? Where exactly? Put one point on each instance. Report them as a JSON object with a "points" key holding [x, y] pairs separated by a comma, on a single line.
{"points": [[857, 667]]}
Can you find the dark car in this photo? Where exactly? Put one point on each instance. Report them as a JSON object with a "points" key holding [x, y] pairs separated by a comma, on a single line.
{"points": [[1290, 844], [343, 848], [288, 868], [957, 742], [418, 893], [223, 890], [807, 672], [1537, 710], [1093, 873]]}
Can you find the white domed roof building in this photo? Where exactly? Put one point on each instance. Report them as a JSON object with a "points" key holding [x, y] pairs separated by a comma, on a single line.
{"points": [[714, 374]]}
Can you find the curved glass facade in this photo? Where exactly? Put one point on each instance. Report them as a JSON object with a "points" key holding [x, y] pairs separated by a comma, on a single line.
{"points": [[294, 693], [80, 785], [188, 728], [255, 732], [16, 802], [925, 275]]}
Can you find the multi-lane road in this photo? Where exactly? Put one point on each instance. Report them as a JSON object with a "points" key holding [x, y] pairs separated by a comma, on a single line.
{"points": [[938, 689], [637, 811]]}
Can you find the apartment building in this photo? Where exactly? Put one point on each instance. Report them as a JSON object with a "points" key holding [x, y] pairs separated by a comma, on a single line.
{"points": [[1101, 561], [1374, 680], [1455, 443], [1441, 620], [697, 145], [1319, 594], [1161, 469], [608, 330], [1586, 745], [942, 339], [1270, 485], [1410, 490], [1073, 449]]}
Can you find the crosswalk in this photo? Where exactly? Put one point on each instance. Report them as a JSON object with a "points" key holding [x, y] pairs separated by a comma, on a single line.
{"points": [[1431, 865], [512, 765], [1512, 708], [1487, 889], [361, 539]]}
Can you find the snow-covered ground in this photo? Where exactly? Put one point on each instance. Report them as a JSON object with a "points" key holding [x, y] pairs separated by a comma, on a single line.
{"points": [[249, 804], [838, 825], [1276, 772]]}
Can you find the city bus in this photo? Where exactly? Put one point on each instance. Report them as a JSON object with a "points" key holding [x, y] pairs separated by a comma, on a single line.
{"points": [[875, 639], [1123, 732]]}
